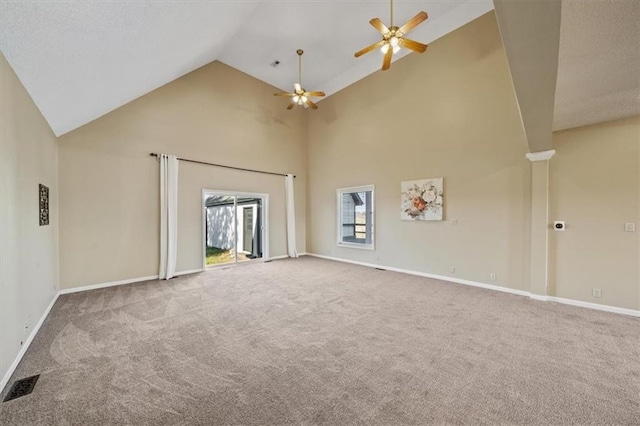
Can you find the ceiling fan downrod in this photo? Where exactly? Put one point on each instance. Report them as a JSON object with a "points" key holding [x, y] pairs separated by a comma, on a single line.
{"points": [[300, 52]]}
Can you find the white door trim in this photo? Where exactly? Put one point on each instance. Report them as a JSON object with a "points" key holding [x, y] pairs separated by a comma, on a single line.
{"points": [[264, 230]]}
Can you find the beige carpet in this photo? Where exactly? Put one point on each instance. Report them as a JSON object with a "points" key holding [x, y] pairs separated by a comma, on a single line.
{"points": [[310, 341]]}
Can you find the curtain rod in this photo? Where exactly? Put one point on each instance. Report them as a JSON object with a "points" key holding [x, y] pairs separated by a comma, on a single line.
{"points": [[153, 154]]}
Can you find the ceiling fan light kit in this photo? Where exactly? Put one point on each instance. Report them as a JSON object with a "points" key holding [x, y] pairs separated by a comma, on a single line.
{"points": [[393, 38], [300, 96]]}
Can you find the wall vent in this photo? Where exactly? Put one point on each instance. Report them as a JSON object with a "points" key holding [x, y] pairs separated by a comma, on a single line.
{"points": [[21, 388]]}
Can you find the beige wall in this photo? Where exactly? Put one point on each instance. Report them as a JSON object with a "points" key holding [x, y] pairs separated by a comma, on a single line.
{"points": [[109, 195], [594, 186], [28, 251], [450, 112]]}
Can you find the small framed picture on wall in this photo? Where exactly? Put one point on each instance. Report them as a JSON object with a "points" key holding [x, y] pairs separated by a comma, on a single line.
{"points": [[43, 194]]}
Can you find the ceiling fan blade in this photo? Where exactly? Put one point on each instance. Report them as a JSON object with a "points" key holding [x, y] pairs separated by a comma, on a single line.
{"points": [[284, 94], [291, 105], [318, 94], [311, 104], [413, 45], [369, 48], [413, 22], [297, 87], [378, 25], [386, 63]]}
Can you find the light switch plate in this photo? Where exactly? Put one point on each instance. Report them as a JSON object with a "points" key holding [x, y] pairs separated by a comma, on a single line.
{"points": [[630, 227]]}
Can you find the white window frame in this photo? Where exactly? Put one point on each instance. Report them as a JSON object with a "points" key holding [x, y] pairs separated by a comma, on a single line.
{"points": [[339, 193]]}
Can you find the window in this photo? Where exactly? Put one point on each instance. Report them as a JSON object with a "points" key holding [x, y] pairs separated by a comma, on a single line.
{"points": [[355, 217]]}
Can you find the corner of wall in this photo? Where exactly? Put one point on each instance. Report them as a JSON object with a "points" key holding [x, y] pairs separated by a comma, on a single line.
{"points": [[30, 253]]}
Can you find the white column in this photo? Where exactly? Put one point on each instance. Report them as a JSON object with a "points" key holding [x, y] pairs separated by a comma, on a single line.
{"points": [[540, 222]]}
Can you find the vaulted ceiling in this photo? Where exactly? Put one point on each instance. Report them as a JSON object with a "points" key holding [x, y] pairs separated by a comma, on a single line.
{"points": [[80, 60], [573, 62]]}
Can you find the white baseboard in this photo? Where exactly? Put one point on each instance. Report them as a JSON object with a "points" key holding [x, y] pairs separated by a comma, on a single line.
{"points": [[108, 284], [538, 297], [192, 271], [596, 306], [284, 256], [427, 275], [123, 282], [606, 308], [26, 344]]}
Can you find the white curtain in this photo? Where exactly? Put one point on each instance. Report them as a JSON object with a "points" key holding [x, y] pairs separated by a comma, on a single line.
{"points": [[291, 217], [168, 215]]}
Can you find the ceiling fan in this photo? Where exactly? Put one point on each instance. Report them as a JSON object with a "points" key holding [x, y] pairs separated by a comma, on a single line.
{"points": [[300, 96], [393, 38]]}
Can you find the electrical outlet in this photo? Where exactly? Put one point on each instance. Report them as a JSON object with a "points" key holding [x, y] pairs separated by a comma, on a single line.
{"points": [[492, 276], [453, 221], [452, 270], [630, 227], [596, 292]]}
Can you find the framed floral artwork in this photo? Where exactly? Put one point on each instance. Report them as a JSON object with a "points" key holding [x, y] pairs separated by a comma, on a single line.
{"points": [[422, 199]]}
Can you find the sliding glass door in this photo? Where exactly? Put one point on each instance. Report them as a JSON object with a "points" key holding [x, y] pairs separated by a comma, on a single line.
{"points": [[234, 227]]}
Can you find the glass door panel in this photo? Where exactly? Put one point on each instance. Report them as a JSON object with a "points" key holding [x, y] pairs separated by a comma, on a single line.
{"points": [[234, 228], [249, 214], [220, 230]]}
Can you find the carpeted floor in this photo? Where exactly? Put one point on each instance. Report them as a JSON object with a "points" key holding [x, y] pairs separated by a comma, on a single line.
{"points": [[310, 341]]}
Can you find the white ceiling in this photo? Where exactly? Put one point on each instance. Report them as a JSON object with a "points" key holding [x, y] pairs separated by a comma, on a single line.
{"points": [[599, 62], [79, 60]]}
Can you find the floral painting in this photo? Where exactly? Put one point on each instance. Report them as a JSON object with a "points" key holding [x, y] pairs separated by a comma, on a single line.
{"points": [[422, 199]]}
